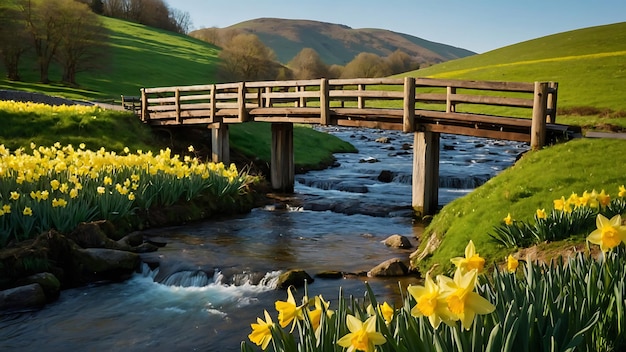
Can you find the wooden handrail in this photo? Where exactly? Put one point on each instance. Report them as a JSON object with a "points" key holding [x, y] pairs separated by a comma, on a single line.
{"points": [[353, 102]]}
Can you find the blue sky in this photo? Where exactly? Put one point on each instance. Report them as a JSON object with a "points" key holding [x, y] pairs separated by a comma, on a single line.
{"points": [[478, 25]]}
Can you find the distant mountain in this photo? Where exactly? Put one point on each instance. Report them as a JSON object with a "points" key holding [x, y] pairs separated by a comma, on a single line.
{"points": [[339, 44]]}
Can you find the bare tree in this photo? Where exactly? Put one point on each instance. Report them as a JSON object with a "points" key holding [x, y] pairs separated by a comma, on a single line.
{"points": [[42, 23], [307, 64], [209, 35], [13, 40], [181, 20], [366, 65], [245, 58], [82, 40]]}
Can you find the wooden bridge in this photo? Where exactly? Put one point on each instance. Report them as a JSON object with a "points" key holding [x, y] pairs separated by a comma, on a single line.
{"points": [[426, 107]]}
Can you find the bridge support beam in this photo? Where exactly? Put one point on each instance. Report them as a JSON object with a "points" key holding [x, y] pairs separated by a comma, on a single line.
{"points": [[220, 145], [282, 163], [425, 173]]}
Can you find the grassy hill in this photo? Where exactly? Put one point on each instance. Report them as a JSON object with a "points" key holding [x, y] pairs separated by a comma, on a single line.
{"points": [[339, 44], [139, 56], [589, 64]]}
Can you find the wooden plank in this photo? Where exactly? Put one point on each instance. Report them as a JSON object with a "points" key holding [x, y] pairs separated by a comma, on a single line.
{"points": [[378, 94], [472, 118], [290, 111], [538, 129], [324, 102], [408, 105], [523, 87], [290, 83], [292, 119], [475, 132], [491, 100], [292, 95], [431, 97], [368, 112], [366, 81]]}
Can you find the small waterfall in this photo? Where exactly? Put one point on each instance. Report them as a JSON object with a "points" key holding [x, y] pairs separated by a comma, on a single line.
{"points": [[198, 278]]}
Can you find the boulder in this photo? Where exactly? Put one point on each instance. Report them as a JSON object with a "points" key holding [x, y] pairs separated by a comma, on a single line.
{"points": [[47, 281], [383, 140], [107, 264], [385, 176], [92, 235], [21, 298], [397, 241], [294, 277], [391, 267]]}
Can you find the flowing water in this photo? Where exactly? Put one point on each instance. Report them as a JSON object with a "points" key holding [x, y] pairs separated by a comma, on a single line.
{"points": [[214, 278]]}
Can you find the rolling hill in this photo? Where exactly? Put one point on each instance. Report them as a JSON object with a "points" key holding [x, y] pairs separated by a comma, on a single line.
{"points": [[339, 44]]}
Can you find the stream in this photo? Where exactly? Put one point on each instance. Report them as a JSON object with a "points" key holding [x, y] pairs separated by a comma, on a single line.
{"points": [[216, 277]]}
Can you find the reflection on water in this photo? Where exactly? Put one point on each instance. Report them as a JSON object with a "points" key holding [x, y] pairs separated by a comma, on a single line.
{"points": [[235, 260]]}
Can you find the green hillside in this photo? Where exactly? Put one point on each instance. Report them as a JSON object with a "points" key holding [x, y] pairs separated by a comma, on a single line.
{"points": [[589, 64], [141, 56], [138, 56]]}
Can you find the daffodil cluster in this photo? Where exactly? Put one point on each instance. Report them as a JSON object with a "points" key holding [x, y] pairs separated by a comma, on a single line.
{"points": [[14, 107], [61, 186], [513, 309], [452, 299], [570, 216]]}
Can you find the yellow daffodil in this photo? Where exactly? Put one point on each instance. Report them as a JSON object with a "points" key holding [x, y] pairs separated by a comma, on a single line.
{"points": [[622, 191], [101, 190], [191, 149], [541, 214], [386, 311], [6, 208], [73, 193], [362, 336], [59, 203], [55, 184], [288, 310], [604, 199], [463, 303], [131, 196], [562, 205], [609, 233], [511, 264], [429, 303], [261, 333], [593, 199], [27, 211], [471, 260], [315, 315], [107, 181], [15, 196], [574, 200], [508, 220]]}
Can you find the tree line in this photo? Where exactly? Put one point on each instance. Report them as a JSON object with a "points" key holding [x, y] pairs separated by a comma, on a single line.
{"points": [[244, 57], [70, 32]]}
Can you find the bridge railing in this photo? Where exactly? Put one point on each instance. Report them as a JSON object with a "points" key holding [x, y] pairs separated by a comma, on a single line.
{"points": [[514, 110]]}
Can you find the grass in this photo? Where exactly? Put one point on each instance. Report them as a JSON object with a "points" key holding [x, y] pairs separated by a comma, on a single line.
{"points": [[589, 65], [532, 183]]}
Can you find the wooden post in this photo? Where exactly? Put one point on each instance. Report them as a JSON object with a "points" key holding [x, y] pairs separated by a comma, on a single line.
{"points": [[144, 106], [408, 116], [553, 88], [213, 104], [241, 101], [268, 100], [360, 100], [282, 163], [177, 103], [220, 146], [538, 126], [302, 98], [450, 107], [425, 173], [324, 102]]}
